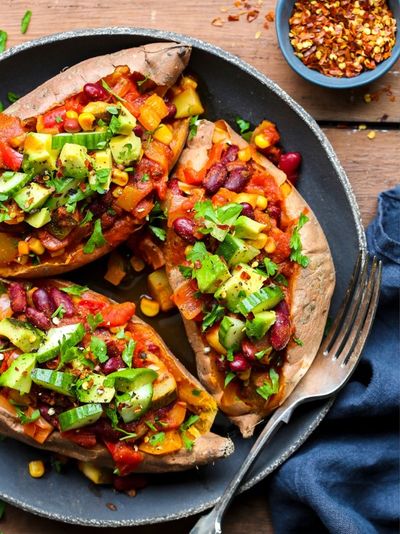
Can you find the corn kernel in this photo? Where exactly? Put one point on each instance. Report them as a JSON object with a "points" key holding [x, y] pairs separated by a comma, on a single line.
{"points": [[117, 192], [163, 134], [23, 248], [98, 475], [36, 246], [22, 260], [188, 249], [36, 469], [188, 81], [261, 141], [262, 202], [259, 242], [86, 121], [137, 264], [17, 141], [213, 340], [219, 135], [119, 177], [270, 245], [71, 114], [286, 189], [245, 154], [149, 307], [249, 198], [98, 109]]}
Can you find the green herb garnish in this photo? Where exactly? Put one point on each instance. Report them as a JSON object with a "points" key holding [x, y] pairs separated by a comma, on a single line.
{"points": [[25, 419], [75, 290], [59, 312], [270, 267], [98, 347], [3, 40], [127, 354], [269, 388], [193, 125], [228, 378], [212, 316], [94, 320], [12, 97], [25, 21], [295, 243], [156, 439], [96, 240]]}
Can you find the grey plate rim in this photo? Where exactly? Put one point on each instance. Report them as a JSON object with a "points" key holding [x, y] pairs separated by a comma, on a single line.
{"points": [[326, 145]]}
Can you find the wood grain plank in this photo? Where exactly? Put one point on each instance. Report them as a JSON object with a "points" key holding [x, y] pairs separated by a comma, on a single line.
{"points": [[194, 18]]}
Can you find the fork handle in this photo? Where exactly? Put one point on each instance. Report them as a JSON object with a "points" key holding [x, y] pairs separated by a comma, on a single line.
{"points": [[211, 523]]}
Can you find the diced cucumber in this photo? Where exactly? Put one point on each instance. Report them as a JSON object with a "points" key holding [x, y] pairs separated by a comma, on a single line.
{"points": [[90, 140], [18, 375], [92, 389], [259, 326], [134, 404], [235, 250], [11, 182], [131, 379], [231, 333], [264, 299], [81, 416], [69, 335], [55, 380]]}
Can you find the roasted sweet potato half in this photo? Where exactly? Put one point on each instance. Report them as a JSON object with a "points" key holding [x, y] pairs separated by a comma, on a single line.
{"points": [[80, 375], [85, 156], [251, 270]]}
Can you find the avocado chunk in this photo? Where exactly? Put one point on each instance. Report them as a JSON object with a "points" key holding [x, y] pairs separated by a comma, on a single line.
{"points": [[39, 156], [100, 179], [235, 250], [92, 389], [32, 196], [63, 193], [125, 149], [68, 335], [18, 375], [39, 219], [247, 228], [11, 182], [126, 120], [244, 281], [231, 333], [259, 326], [265, 298], [21, 334], [212, 273], [73, 159], [164, 387]]}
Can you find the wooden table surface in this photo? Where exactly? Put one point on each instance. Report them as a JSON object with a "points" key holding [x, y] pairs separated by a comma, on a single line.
{"points": [[371, 164]]}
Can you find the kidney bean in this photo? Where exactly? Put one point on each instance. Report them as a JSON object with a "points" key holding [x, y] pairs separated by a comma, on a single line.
{"points": [[237, 179], [71, 125], [280, 330], [274, 211], [129, 482], [247, 210], [229, 154], [103, 429], [289, 163], [222, 364], [38, 318], [43, 302], [173, 185], [113, 348], [17, 294], [215, 178], [62, 299], [239, 364], [94, 91], [112, 365], [138, 130], [249, 350], [171, 112], [52, 419], [185, 228]]}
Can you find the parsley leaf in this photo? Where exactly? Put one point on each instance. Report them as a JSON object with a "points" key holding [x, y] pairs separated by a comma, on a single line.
{"points": [[156, 439], [98, 347], [75, 290], [298, 341], [128, 435], [270, 267], [151, 426], [295, 243], [59, 312], [145, 178], [96, 239], [25, 419], [197, 253], [94, 320], [160, 233], [193, 125], [189, 422], [196, 392], [185, 271], [87, 218], [261, 353], [101, 180], [228, 378], [25, 21], [212, 316], [128, 351], [244, 126], [3, 40], [188, 443], [12, 97], [281, 279], [113, 110], [1, 103], [269, 388], [111, 413], [217, 220], [109, 90]]}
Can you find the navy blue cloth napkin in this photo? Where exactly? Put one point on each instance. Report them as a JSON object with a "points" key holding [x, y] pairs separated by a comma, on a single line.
{"points": [[345, 478]]}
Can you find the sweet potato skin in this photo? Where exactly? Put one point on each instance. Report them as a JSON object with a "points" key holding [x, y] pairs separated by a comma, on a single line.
{"points": [[207, 448], [311, 291]]}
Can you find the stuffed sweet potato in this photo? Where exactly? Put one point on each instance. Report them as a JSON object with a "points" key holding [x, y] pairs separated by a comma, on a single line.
{"points": [[84, 157], [251, 271], [82, 376]]}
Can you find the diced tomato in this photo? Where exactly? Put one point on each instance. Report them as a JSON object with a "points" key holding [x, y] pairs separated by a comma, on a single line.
{"points": [[193, 177], [185, 298], [76, 103], [83, 438], [10, 127], [125, 86], [282, 240], [117, 314], [263, 183], [9, 158], [90, 306], [54, 118], [215, 154], [126, 459], [143, 208]]}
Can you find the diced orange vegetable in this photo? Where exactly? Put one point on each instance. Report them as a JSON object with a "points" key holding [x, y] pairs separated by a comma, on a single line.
{"points": [[172, 442], [185, 298], [137, 264], [157, 104], [149, 118], [115, 269], [23, 248], [132, 195], [159, 153], [213, 339], [160, 289], [8, 248], [151, 253], [174, 417]]}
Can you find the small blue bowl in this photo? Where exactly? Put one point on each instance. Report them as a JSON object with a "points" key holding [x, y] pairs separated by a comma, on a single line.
{"points": [[283, 12]]}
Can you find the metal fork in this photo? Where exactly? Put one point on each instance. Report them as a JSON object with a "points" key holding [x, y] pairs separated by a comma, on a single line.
{"points": [[331, 369]]}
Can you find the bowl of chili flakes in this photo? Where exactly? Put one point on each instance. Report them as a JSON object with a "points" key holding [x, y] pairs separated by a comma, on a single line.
{"points": [[339, 44]]}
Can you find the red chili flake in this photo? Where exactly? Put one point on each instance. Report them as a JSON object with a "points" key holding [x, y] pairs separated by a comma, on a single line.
{"points": [[342, 38], [233, 18], [111, 506], [245, 276], [252, 15], [217, 22], [270, 16]]}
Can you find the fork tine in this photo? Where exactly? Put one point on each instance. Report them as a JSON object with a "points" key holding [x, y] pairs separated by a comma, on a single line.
{"points": [[355, 343], [343, 307], [348, 316]]}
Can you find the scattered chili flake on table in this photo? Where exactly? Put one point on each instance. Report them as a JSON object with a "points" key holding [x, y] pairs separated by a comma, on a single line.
{"points": [[342, 38], [245, 10]]}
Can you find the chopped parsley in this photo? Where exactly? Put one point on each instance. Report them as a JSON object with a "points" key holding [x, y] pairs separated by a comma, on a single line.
{"points": [[156, 439], [281, 279], [270, 267], [1, 105], [155, 218], [75, 290], [128, 435], [244, 128], [25, 419], [151, 426], [212, 316], [98, 347], [295, 243], [127, 354], [189, 422], [25, 21], [269, 388], [12, 97], [261, 353], [185, 271], [109, 90], [197, 253], [160, 233], [115, 125], [59, 312], [298, 341], [187, 442], [3, 40], [196, 392], [96, 240], [94, 320], [101, 180], [87, 218], [228, 378], [193, 125], [217, 221], [113, 110], [145, 178]]}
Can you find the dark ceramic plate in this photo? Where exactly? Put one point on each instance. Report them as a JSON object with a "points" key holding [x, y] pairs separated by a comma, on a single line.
{"points": [[229, 88]]}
